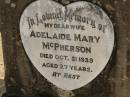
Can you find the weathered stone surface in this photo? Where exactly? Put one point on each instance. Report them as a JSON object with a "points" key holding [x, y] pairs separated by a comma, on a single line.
{"points": [[114, 81]]}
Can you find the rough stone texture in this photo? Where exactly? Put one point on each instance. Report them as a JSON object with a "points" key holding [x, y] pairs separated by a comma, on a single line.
{"points": [[114, 81]]}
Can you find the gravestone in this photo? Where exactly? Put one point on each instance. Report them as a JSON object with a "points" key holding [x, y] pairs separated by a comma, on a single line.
{"points": [[81, 51], [69, 45]]}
